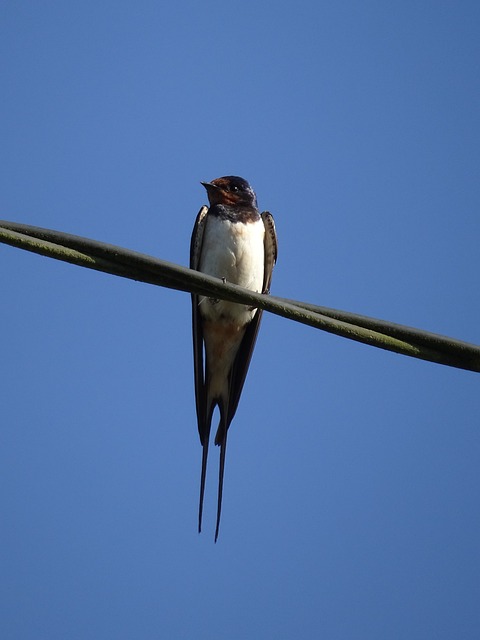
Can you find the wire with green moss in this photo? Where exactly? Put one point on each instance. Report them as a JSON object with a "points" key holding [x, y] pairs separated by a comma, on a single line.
{"points": [[123, 262]]}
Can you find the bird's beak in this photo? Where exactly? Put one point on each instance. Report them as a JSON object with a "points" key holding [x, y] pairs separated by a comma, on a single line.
{"points": [[215, 193], [209, 185]]}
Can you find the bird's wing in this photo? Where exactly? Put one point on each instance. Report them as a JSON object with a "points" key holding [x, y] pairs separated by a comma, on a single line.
{"points": [[198, 368], [271, 249], [203, 420]]}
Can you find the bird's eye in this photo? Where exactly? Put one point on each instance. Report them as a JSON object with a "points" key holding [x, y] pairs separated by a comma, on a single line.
{"points": [[234, 188]]}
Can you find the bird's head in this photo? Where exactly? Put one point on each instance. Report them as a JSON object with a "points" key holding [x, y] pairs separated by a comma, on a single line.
{"points": [[230, 190]]}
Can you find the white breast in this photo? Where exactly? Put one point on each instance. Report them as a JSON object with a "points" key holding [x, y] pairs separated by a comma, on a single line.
{"points": [[235, 252]]}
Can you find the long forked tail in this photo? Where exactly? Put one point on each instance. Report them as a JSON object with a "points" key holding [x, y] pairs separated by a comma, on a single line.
{"points": [[205, 437], [202, 483], [223, 449], [221, 440]]}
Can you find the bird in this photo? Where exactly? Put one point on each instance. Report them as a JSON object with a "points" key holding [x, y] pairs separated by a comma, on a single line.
{"points": [[233, 241]]}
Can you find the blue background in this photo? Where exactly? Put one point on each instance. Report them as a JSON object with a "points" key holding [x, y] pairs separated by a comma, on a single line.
{"points": [[351, 505]]}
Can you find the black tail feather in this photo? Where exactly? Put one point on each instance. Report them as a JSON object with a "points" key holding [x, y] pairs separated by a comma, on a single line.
{"points": [[223, 448], [202, 483], [204, 440]]}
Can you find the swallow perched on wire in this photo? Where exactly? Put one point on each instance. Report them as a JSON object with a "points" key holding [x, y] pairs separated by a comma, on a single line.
{"points": [[233, 241]]}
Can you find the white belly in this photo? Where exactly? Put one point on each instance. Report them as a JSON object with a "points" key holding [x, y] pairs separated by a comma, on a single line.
{"points": [[235, 252]]}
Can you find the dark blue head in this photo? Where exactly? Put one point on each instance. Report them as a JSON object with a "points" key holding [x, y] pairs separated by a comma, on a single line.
{"points": [[230, 190]]}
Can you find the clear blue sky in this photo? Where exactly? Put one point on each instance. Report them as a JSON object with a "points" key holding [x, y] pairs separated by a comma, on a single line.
{"points": [[352, 489]]}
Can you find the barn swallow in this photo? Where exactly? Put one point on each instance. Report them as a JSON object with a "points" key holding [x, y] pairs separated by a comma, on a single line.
{"points": [[231, 240]]}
